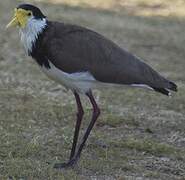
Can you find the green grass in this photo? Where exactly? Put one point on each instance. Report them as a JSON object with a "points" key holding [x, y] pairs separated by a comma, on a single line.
{"points": [[115, 121], [139, 135], [151, 147]]}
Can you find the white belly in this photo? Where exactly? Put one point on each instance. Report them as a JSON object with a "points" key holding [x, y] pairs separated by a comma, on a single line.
{"points": [[81, 82]]}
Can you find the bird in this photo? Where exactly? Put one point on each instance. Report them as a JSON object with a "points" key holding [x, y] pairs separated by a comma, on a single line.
{"points": [[81, 59]]}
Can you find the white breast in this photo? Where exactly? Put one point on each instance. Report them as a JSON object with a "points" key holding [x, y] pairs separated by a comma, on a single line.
{"points": [[81, 82], [30, 33]]}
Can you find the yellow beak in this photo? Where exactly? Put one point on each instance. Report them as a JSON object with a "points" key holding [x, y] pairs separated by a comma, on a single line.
{"points": [[19, 19], [14, 22]]}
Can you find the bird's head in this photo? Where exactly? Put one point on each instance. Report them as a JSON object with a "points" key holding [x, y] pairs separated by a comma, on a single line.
{"points": [[24, 13]]}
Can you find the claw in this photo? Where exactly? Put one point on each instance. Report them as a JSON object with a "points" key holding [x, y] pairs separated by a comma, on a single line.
{"points": [[70, 164]]}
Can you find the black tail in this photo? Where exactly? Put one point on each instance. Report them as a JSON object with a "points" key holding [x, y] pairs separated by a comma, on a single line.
{"points": [[171, 86]]}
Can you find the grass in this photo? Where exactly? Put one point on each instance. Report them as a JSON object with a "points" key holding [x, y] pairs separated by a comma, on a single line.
{"points": [[114, 121], [139, 7], [151, 147], [140, 134]]}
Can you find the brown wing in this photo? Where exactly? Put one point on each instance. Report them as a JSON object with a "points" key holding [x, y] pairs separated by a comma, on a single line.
{"points": [[76, 49]]}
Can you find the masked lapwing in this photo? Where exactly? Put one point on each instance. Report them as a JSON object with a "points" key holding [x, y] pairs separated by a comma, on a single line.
{"points": [[81, 59]]}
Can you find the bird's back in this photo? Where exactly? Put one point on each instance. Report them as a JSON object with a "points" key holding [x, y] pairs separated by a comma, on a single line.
{"points": [[76, 49]]}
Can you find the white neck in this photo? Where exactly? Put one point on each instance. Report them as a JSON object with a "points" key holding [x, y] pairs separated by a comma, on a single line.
{"points": [[30, 33]]}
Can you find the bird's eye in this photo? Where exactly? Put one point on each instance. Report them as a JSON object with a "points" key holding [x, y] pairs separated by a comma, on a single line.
{"points": [[29, 14]]}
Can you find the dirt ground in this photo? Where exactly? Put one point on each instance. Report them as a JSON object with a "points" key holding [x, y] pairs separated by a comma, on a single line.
{"points": [[140, 134]]}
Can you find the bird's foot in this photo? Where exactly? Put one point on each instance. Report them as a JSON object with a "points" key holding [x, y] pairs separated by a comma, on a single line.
{"points": [[70, 164]]}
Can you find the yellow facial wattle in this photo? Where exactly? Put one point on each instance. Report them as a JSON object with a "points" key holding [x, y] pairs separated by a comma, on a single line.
{"points": [[20, 18]]}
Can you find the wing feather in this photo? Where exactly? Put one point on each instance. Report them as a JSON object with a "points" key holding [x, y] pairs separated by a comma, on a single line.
{"points": [[76, 49]]}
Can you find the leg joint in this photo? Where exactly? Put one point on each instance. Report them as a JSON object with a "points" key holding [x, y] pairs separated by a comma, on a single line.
{"points": [[97, 111]]}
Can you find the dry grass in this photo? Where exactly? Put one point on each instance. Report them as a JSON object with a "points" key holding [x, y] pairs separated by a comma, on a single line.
{"points": [[164, 8], [140, 134]]}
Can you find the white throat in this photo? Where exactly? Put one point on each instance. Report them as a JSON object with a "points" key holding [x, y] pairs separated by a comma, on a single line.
{"points": [[30, 33]]}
